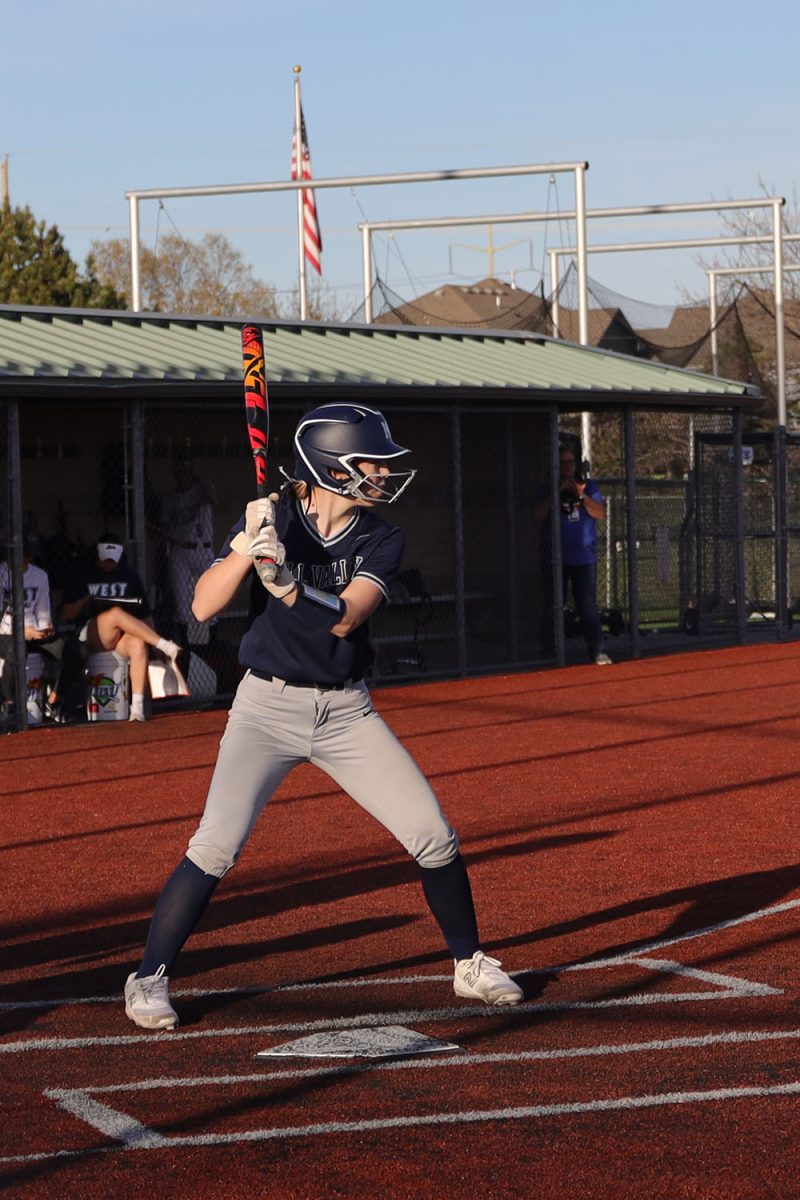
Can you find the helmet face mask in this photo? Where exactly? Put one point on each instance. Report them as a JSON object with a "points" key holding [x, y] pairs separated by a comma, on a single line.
{"points": [[337, 437]]}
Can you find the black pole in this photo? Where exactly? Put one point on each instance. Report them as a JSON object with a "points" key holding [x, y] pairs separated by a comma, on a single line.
{"points": [[16, 565], [740, 531], [458, 532], [630, 522], [781, 537], [555, 540]]}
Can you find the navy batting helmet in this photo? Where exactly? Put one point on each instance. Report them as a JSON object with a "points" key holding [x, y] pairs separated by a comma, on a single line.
{"points": [[338, 437]]}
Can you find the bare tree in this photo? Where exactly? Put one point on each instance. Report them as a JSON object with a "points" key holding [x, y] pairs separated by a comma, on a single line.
{"points": [[757, 222], [205, 278]]}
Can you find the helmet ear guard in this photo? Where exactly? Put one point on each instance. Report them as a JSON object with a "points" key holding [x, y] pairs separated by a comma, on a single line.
{"points": [[336, 437]]}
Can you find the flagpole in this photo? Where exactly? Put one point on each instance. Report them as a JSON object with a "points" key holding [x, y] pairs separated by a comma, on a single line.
{"points": [[298, 158]]}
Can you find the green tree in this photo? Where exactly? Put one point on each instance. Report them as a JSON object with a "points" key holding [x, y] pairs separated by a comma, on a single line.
{"points": [[205, 278], [37, 268]]}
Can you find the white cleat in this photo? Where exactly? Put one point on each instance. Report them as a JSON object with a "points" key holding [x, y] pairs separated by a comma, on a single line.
{"points": [[482, 978], [147, 1001]]}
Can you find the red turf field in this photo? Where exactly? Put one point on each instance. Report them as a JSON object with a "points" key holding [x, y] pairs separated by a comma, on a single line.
{"points": [[632, 836]]}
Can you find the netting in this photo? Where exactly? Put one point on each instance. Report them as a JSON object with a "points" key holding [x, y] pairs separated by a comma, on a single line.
{"points": [[676, 335], [490, 304]]}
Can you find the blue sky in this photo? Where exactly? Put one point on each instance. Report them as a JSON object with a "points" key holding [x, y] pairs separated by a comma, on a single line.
{"points": [[668, 103]]}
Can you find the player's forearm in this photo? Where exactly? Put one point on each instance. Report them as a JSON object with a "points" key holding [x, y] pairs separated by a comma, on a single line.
{"points": [[217, 586]]}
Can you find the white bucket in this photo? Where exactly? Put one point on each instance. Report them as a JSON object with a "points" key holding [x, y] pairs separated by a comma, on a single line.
{"points": [[34, 672], [107, 687]]}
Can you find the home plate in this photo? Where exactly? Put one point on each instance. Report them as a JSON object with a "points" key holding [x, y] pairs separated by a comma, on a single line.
{"points": [[385, 1041]]}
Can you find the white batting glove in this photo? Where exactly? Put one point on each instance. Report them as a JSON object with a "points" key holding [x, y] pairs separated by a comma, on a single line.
{"points": [[270, 562], [257, 515]]}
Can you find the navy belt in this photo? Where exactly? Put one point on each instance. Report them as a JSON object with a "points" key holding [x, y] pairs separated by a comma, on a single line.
{"points": [[304, 683]]}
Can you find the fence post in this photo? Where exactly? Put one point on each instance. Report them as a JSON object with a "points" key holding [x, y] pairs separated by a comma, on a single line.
{"points": [[559, 637], [458, 531], [16, 564], [781, 522], [630, 522], [739, 531], [134, 488], [512, 587]]}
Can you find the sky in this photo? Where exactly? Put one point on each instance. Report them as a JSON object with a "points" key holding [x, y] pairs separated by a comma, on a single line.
{"points": [[668, 103]]}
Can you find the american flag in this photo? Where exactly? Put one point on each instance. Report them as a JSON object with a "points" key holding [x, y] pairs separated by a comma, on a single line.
{"points": [[312, 239]]}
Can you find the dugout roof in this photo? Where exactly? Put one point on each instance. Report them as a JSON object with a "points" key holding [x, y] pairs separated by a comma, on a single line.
{"points": [[56, 352]]}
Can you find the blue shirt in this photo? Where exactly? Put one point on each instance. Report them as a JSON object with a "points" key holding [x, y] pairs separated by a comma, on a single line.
{"points": [[579, 530], [281, 643]]}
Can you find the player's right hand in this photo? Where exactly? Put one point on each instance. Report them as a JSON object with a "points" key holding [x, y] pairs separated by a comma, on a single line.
{"points": [[269, 559]]}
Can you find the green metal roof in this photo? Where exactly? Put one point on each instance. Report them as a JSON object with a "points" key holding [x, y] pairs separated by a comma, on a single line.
{"points": [[90, 347]]}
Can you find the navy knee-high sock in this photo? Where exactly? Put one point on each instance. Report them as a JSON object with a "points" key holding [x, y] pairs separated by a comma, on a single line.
{"points": [[449, 898], [180, 906]]}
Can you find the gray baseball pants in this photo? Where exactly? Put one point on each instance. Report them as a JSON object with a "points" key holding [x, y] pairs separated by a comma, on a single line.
{"points": [[272, 727]]}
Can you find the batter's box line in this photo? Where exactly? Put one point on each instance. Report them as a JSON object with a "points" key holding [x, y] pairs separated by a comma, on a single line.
{"points": [[727, 988], [731, 985], [136, 1136], [740, 986]]}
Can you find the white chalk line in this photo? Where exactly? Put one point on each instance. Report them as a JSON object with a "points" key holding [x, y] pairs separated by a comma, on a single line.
{"points": [[728, 987], [105, 1120], [365, 1020], [745, 986], [133, 1134], [473, 1059], [529, 1113], [632, 955], [661, 943]]}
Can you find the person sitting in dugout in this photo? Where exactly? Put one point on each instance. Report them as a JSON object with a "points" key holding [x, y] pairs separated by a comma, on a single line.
{"points": [[107, 600]]}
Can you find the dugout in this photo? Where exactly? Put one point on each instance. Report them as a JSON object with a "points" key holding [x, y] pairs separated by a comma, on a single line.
{"points": [[96, 409]]}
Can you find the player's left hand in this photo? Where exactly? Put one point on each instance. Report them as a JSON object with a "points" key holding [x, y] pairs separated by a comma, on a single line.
{"points": [[269, 558], [257, 514]]}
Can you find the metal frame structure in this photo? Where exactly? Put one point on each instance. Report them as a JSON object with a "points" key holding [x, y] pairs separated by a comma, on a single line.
{"points": [[713, 272], [777, 238], [135, 197], [368, 227]]}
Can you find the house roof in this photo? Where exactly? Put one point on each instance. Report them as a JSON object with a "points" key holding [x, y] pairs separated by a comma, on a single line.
{"points": [[605, 326], [491, 303], [58, 351]]}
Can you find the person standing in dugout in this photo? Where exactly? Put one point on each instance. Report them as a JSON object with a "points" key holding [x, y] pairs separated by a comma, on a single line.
{"points": [[303, 697]]}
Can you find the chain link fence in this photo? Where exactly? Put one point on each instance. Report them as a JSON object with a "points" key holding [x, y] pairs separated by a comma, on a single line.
{"points": [[681, 555]]}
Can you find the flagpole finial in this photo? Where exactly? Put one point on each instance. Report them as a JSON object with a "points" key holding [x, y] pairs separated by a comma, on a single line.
{"points": [[297, 70]]}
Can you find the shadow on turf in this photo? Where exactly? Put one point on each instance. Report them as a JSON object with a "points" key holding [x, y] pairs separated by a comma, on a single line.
{"points": [[708, 904], [127, 937], [108, 980], [86, 949]]}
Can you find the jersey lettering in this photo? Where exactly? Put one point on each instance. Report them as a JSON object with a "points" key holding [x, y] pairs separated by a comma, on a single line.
{"points": [[29, 603], [322, 576], [107, 591]]}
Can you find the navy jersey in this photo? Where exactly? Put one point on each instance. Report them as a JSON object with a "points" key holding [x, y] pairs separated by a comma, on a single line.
{"points": [[281, 643], [121, 586]]}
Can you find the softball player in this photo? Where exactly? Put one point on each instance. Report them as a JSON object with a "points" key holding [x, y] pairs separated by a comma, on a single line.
{"points": [[326, 561]]}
